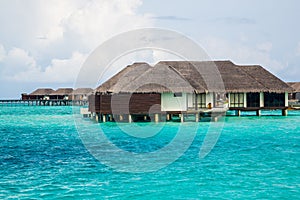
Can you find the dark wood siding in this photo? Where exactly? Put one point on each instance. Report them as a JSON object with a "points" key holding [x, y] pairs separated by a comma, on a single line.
{"points": [[136, 103], [25, 96], [60, 97], [94, 103], [105, 104], [142, 103]]}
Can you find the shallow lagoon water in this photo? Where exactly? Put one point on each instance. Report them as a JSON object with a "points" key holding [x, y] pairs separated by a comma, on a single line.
{"points": [[43, 157]]}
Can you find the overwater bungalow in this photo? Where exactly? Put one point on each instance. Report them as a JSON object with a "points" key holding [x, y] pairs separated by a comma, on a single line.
{"points": [[81, 94], [38, 94], [182, 87], [295, 95], [62, 94], [50, 97]]}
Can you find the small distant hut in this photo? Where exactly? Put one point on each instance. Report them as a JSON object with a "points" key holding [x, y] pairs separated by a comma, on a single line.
{"points": [[39, 94], [295, 95], [62, 94], [24, 96], [81, 94]]}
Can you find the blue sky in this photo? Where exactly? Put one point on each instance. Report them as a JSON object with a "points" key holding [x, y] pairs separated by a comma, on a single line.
{"points": [[44, 43]]}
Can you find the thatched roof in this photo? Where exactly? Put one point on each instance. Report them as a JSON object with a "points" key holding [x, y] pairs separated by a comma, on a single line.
{"points": [[198, 76], [267, 79], [124, 77], [82, 91], [62, 91], [295, 86], [188, 72], [42, 91], [160, 78], [237, 80]]}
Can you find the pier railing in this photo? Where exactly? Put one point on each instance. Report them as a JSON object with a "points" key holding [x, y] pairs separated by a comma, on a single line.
{"points": [[41, 102]]}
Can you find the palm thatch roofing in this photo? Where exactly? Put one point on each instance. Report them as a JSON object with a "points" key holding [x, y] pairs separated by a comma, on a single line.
{"points": [[295, 86], [124, 77], [193, 76], [42, 91], [82, 91], [62, 91], [160, 78], [267, 79]]}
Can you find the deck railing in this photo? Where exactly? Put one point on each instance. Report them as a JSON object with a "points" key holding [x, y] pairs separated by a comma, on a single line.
{"points": [[42, 102]]}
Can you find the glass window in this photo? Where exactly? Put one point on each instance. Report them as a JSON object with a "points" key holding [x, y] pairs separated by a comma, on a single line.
{"points": [[253, 100], [274, 99], [178, 94], [201, 100], [236, 100]]}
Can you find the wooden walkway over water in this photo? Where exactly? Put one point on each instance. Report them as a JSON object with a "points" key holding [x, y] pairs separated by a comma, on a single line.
{"points": [[40, 102]]}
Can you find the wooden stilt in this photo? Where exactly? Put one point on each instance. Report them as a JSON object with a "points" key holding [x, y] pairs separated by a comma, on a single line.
{"points": [[197, 117], [284, 112], [258, 113], [168, 117], [181, 118], [129, 118], [156, 118], [215, 119], [97, 117]]}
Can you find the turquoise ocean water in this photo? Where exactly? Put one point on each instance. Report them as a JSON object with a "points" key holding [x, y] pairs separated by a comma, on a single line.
{"points": [[43, 157]]}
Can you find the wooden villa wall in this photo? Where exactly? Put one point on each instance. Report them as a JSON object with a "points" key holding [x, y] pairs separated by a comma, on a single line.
{"points": [[136, 103], [94, 103], [25, 96], [60, 97], [141, 103], [105, 104], [32, 97]]}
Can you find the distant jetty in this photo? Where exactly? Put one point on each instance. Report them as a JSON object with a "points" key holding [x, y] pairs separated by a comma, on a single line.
{"points": [[50, 97]]}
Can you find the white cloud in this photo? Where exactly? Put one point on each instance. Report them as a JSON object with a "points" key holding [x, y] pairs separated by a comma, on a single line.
{"points": [[240, 54], [100, 20], [298, 50], [266, 46], [48, 41], [2, 52], [16, 61], [64, 70], [18, 65]]}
